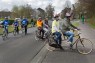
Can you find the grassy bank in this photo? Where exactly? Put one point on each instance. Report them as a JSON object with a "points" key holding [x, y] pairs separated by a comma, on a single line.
{"points": [[91, 22], [76, 24], [10, 28]]}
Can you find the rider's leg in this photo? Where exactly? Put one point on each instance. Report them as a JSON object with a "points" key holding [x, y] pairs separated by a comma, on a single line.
{"points": [[6, 28], [58, 39], [42, 33], [71, 35], [17, 30], [45, 31], [70, 39], [26, 29]]}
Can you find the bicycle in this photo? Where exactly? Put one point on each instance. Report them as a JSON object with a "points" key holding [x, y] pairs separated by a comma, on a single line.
{"points": [[83, 45], [15, 31], [38, 36], [32, 24], [23, 29], [5, 33]]}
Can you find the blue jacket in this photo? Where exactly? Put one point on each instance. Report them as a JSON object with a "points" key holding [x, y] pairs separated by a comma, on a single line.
{"points": [[24, 22], [5, 22], [16, 23]]}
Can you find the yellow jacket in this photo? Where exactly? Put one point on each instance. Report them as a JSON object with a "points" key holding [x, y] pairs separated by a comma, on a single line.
{"points": [[55, 26]]}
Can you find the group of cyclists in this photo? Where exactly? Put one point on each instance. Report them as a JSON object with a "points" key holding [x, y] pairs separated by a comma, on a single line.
{"points": [[24, 23], [44, 26], [56, 29]]}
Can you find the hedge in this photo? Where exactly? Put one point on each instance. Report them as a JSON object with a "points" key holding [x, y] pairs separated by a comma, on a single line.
{"points": [[11, 22]]}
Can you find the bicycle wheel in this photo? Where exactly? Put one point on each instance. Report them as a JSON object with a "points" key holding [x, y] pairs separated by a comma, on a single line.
{"points": [[51, 40], [3, 36], [36, 35], [23, 31], [84, 46], [14, 32]]}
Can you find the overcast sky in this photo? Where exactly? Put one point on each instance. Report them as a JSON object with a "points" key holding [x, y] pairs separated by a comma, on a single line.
{"points": [[58, 4]]}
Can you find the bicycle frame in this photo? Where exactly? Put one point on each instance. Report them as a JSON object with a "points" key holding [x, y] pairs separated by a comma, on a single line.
{"points": [[5, 28], [76, 39], [23, 28], [5, 32], [15, 30]]}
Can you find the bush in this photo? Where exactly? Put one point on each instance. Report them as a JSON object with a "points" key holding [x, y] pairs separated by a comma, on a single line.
{"points": [[11, 22], [91, 22], [34, 21]]}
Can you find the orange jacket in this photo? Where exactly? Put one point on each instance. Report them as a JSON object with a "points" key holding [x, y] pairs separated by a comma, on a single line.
{"points": [[39, 23]]}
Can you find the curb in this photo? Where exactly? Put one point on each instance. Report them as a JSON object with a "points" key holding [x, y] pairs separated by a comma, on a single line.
{"points": [[40, 56]]}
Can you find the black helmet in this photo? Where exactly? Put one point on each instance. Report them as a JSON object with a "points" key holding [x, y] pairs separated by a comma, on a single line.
{"points": [[56, 16]]}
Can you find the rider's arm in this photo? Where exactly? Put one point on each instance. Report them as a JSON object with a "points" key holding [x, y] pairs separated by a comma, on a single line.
{"points": [[45, 25], [27, 21], [72, 26]]}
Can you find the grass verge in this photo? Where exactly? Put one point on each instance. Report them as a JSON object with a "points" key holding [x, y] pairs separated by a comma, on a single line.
{"points": [[11, 28]]}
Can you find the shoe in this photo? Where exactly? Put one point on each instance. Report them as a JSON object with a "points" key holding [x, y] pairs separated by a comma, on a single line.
{"points": [[71, 46], [61, 48]]}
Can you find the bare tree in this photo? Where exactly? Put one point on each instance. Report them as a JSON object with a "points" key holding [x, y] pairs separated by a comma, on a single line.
{"points": [[50, 11], [23, 10], [42, 13]]}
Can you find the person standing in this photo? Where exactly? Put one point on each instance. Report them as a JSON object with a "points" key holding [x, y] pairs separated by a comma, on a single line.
{"points": [[82, 18]]}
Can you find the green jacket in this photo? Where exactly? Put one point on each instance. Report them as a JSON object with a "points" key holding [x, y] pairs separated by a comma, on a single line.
{"points": [[66, 25]]}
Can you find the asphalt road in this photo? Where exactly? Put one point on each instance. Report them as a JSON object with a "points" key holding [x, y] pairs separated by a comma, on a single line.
{"points": [[72, 56], [20, 49]]}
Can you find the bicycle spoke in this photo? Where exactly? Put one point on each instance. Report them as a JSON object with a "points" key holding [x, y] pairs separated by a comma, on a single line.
{"points": [[84, 46]]}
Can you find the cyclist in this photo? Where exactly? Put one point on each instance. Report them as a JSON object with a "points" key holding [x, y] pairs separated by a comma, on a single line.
{"points": [[24, 23], [82, 18], [66, 27], [16, 25], [40, 26], [5, 24], [46, 26], [32, 22], [56, 31]]}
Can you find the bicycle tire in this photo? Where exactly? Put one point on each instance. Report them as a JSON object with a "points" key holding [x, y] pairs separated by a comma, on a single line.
{"points": [[14, 32], [84, 46], [23, 31], [36, 38], [4, 35], [51, 40]]}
